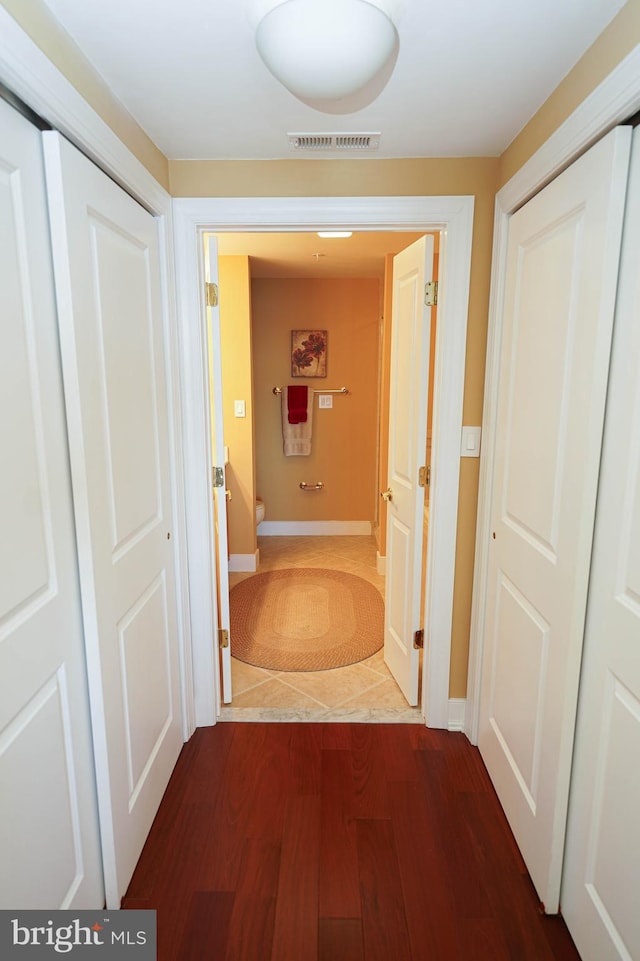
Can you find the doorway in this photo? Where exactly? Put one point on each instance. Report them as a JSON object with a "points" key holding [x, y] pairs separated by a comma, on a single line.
{"points": [[451, 215], [267, 282]]}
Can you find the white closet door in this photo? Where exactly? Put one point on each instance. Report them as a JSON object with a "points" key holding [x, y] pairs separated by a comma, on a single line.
{"points": [[110, 313], [602, 868], [49, 840], [561, 280]]}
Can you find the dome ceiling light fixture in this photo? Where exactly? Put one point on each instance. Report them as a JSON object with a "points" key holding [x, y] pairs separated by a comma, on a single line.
{"points": [[326, 52]]}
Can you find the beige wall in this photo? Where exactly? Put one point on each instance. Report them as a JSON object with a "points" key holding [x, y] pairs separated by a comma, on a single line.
{"points": [[612, 46], [234, 283], [333, 178], [343, 453], [35, 19]]}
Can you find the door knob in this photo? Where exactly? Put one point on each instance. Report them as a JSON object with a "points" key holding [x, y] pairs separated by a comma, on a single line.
{"points": [[387, 495]]}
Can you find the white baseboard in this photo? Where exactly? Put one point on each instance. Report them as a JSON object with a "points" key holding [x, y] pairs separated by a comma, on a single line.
{"points": [[457, 707], [299, 528], [244, 562], [381, 563]]}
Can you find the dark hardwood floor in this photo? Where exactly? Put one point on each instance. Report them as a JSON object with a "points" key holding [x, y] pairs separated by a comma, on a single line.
{"points": [[338, 842]]}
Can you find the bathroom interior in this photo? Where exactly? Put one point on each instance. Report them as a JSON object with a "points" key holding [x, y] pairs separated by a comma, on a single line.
{"points": [[270, 285]]}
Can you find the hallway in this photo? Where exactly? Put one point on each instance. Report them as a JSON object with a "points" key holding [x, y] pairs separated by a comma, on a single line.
{"points": [[337, 842], [364, 691]]}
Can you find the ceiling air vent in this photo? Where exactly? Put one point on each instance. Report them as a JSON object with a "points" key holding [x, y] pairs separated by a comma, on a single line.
{"points": [[334, 142]]}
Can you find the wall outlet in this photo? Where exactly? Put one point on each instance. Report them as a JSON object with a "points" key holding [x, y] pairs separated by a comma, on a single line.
{"points": [[325, 400]]}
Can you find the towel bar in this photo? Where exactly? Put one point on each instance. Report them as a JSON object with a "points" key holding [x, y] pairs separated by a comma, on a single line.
{"points": [[311, 487], [318, 390]]}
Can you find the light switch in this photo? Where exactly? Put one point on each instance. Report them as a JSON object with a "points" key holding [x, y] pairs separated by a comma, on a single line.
{"points": [[239, 408], [325, 400], [470, 446]]}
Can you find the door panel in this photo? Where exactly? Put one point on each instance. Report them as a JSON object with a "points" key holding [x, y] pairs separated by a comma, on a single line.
{"points": [[409, 381], [108, 285], [559, 299], [602, 868], [48, 811], [541, 357]]}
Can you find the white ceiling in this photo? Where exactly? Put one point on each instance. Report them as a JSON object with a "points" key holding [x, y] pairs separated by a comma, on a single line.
{"points": [[469, 73], [307, 255]]}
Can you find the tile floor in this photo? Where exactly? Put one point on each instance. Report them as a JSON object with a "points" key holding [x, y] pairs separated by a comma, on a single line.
{"points": [[360, 692]]}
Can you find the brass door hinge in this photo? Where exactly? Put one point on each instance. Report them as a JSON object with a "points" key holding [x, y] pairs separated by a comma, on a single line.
{"points": [[211, 295], [424, 476], [223, 637], [418, 640], [431, 293]]}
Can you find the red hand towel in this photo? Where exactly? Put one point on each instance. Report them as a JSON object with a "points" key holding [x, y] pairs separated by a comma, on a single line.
{"points": [[297, 400]]}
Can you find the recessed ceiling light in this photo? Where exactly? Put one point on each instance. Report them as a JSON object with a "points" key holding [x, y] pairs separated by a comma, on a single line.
{"points": [[335, 233]]}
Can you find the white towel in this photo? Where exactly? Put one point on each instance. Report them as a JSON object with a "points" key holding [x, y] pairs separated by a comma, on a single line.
{"points": [[296, 437]]}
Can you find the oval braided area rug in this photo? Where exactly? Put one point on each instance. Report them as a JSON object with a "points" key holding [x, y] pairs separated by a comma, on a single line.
{"points": [[305, 619]]}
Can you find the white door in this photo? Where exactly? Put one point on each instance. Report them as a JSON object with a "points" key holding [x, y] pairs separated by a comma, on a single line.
{"points": [[409, 383], [218, 467], [602, 863], [559, 298], [49, 839], [108, 288]]}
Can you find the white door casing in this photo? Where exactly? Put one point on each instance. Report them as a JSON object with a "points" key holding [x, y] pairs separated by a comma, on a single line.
{"points": [[601, 877], [451, 215], [49, 834], [559, 299], [112, 342], [409, 383], [220, 538]]}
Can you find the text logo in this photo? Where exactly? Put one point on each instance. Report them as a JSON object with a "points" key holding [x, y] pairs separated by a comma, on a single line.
{"points": [[79, 934]]}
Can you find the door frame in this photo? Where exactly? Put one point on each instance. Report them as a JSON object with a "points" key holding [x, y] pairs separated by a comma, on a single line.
{"points": [[454, 217], [615, 99]]}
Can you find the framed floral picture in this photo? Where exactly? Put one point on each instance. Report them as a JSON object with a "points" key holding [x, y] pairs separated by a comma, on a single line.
{"points": [[308, 353]]}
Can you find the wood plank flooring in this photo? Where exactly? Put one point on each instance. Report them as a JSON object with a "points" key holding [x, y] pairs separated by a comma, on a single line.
{"points": [[337, 842]]}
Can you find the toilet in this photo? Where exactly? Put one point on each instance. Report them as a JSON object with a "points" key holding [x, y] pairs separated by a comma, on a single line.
{"points": [[259, 511]]}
